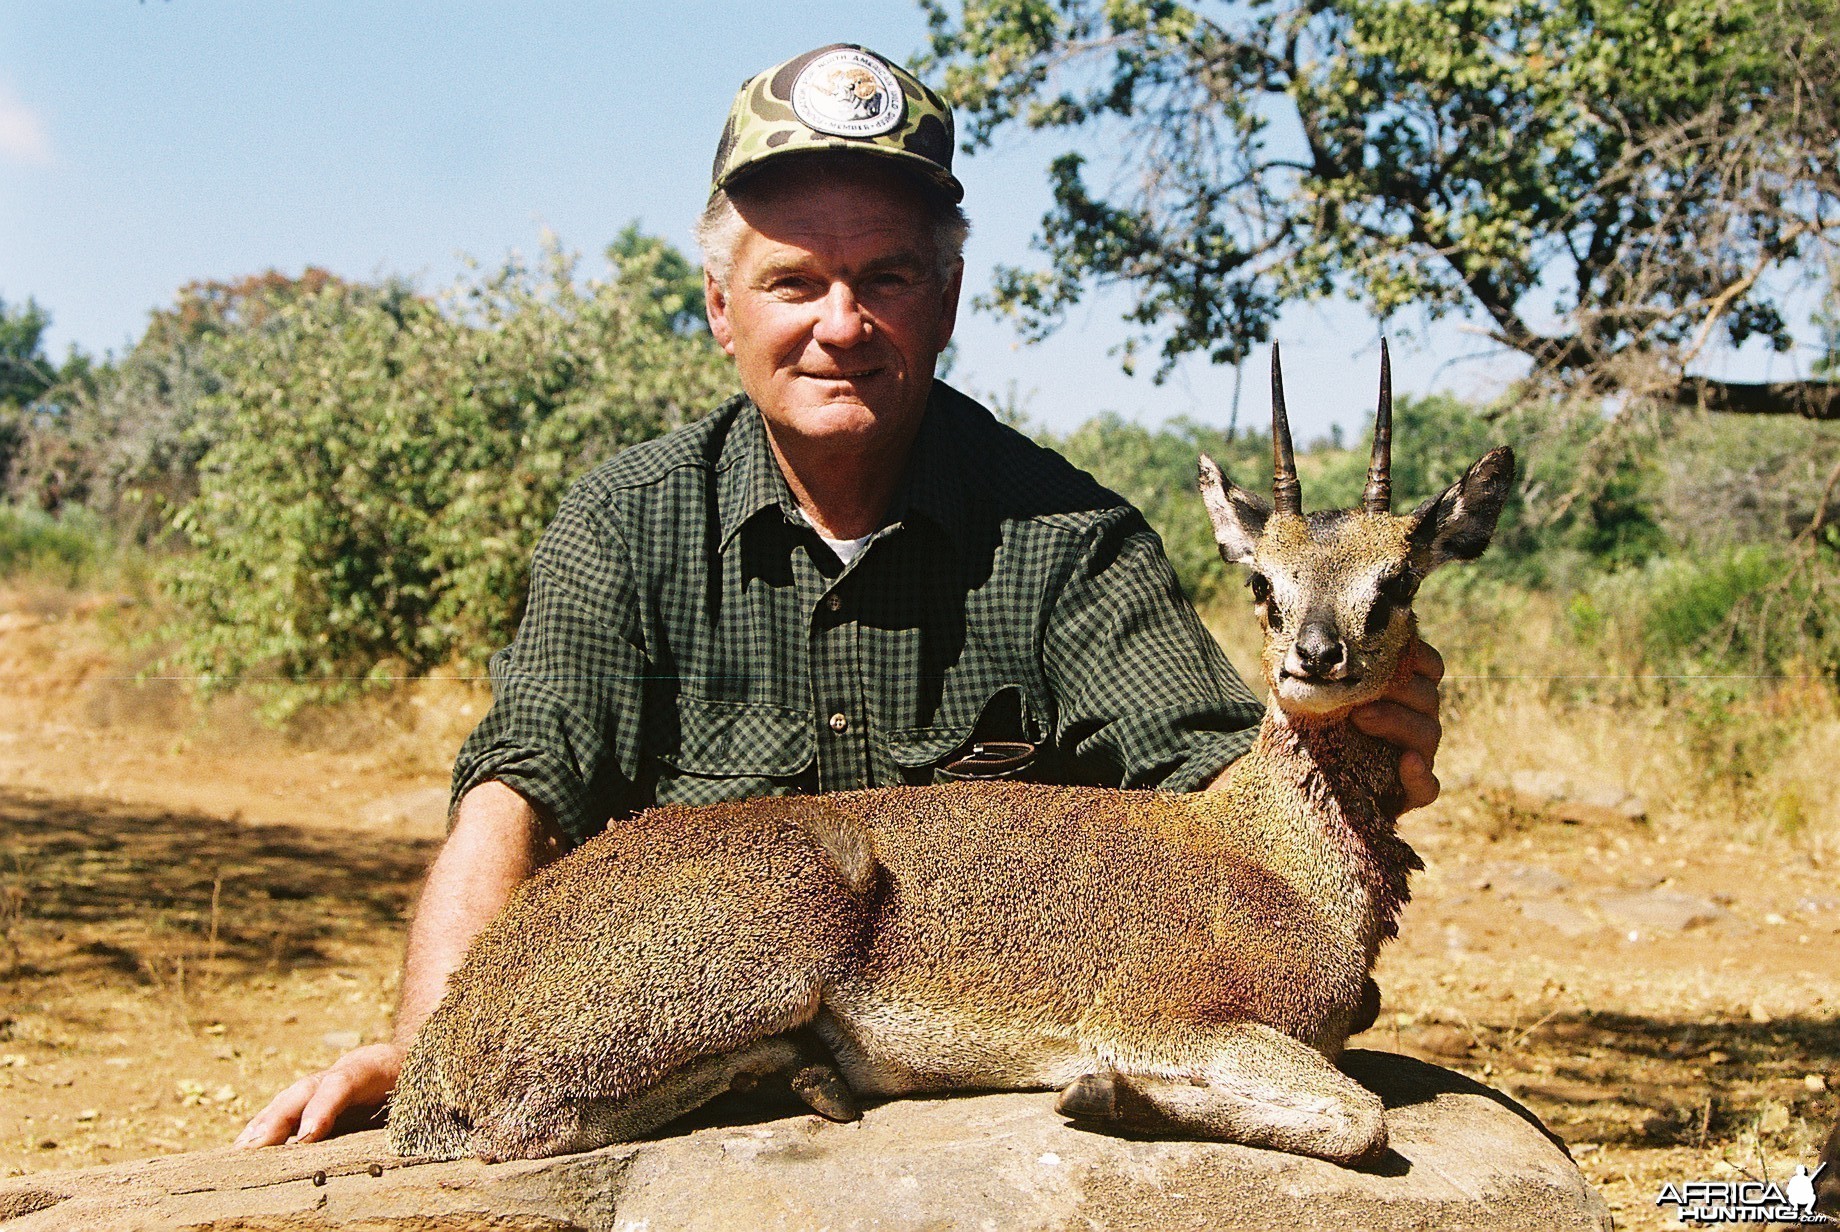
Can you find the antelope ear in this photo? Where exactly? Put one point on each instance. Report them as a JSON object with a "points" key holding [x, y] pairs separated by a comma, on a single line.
{"points": [[1459, 524], [1238, 516]]}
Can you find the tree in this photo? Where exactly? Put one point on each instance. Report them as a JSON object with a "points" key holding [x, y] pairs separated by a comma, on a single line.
{"points": [[120, 437], [376, 469], [25, 373], [1612, 184]]}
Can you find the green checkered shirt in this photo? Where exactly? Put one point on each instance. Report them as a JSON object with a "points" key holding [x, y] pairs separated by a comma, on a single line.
{"points": [[690, 639]]}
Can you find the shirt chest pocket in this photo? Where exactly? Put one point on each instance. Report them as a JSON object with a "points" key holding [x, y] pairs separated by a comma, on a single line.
{"points": [[988, 735], [702, 751]]}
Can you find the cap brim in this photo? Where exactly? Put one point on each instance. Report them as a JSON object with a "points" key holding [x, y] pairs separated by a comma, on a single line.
{"points": [[929, 174]]}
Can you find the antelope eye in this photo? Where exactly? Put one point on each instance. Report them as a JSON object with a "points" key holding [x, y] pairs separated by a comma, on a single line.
{"points": [[1399, 589], [1261, 595], [1395, 592]]}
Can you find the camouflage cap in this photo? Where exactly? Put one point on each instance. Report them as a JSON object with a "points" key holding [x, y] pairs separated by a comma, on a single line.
{"points": [[841, 97]]}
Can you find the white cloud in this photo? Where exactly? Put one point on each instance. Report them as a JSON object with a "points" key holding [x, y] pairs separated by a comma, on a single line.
{"points": [[22, 134]]}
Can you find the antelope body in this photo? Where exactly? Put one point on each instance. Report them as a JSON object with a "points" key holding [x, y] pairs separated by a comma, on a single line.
{"points": [[1177, 963]]}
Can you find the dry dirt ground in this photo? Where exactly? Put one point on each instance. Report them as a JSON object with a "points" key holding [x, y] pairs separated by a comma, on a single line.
{"points": [[194, 910]]}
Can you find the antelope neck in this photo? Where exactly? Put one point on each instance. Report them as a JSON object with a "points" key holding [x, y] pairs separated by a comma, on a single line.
{"points": [[1349, 781]]}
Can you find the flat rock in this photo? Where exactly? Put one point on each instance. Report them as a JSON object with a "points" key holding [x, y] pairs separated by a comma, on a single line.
{"points": [[1661, 910], [1463, 1156], [1517, 880], [1558, 914], [1555, 795]]}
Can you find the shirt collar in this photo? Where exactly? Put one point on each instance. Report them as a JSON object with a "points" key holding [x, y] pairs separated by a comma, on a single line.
{"points": [[748, 477], [935, 485]]}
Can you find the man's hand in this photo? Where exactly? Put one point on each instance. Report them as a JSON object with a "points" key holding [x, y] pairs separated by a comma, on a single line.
{"points": [[1407, 715], [497, 842], [351, 1092]]}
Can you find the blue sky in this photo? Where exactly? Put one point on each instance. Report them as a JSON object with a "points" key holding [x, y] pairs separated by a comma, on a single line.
{"points": [[143, 145]]}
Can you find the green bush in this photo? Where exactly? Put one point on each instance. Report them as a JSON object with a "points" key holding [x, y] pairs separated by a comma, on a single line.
{"points": [[35, 544], [1156, 471], [378, 470], [1760, 610]]}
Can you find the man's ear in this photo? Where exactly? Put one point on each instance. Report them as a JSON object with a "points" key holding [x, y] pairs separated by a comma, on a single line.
{"points": [[1238, 516], [715, 307], [948, 312], [1459, 524]]}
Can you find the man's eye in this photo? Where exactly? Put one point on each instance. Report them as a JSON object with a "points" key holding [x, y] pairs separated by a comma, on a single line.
{"points": [[892, 282]]}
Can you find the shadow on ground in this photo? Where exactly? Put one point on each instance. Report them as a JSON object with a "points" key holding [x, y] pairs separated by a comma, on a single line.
{"points": [[1626, 1079], [92, 887]]}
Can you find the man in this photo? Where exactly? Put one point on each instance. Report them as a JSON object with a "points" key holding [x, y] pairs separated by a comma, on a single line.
{"points": [[850, 577]]}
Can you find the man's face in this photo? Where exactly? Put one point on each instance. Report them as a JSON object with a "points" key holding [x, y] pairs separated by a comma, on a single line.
{"points": [[835, 311]]}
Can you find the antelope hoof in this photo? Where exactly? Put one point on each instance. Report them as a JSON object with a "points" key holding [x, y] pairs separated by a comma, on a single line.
{"points": [[826, 1093], [1091, 1097]]}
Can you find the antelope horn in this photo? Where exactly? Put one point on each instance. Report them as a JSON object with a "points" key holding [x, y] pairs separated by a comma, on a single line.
{"points": [[1378, 497], [1286, 492]]}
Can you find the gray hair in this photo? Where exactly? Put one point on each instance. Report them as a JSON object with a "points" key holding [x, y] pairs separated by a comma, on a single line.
{"points": [[719, 231]]}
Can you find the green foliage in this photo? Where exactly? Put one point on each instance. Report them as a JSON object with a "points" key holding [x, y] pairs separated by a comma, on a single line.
{"points": [[1156, 471], [1615, 516], [34, 544], [1644, 160], [122, 438], [1758, 609], [376, 469], [25, 373]]}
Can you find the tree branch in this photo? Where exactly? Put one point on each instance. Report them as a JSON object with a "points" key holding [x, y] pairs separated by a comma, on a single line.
{"points": [[1808, 399]]}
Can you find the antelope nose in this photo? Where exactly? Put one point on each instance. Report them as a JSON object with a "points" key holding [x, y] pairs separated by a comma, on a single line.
{"points": [[1319, 652]]}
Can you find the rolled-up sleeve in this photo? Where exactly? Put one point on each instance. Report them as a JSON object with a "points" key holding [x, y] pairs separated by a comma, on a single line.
{"points": [[1145, 696], [566, 693]]}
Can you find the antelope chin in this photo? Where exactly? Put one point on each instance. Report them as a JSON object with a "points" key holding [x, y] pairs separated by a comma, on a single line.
{"points": [[1305, 695]]}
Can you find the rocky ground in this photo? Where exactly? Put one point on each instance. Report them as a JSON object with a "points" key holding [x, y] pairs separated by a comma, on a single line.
{"points": [[193, 911]]}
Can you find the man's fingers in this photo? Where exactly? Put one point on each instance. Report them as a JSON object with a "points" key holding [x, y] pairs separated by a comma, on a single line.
{"points": [[275, 1123], [1410, 729], [332, 1097], [1414, 692], [1424, 660], [311, 1109], [1416, 780]]}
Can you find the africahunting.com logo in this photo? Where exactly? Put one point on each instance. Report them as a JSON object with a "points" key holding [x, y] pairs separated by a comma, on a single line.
{"points": [[1706, 1202]]}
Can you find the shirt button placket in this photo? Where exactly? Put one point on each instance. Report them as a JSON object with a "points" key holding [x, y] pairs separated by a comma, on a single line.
{"points": [[837, 684]]}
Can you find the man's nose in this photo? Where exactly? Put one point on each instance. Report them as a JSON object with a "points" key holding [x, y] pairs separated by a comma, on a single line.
{"points": [[841, 319]]}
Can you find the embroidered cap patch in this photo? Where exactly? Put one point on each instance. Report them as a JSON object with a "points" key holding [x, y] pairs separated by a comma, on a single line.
{"points": [[848, 93]]}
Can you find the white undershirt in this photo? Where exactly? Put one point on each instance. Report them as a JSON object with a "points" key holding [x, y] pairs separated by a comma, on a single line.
{"points": [[847, 549]]}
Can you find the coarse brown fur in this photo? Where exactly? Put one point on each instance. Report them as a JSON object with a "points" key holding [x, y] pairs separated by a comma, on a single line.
{"points": [[1181, 963]]}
